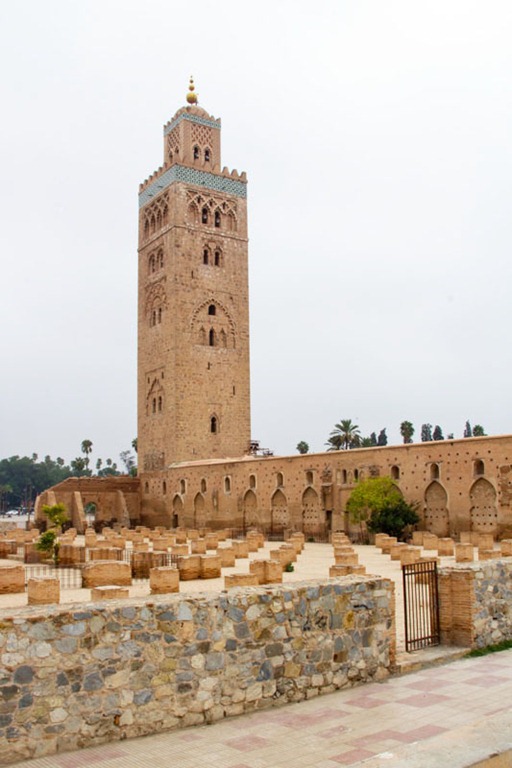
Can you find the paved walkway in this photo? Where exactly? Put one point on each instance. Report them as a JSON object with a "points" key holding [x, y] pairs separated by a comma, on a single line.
{"points": [[451, 716]]}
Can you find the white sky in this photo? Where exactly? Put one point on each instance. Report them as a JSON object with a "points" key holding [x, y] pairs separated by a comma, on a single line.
{"points": [[376, 138]]}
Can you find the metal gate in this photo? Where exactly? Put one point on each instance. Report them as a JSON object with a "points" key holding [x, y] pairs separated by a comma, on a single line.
{"points": [[421, 605]]}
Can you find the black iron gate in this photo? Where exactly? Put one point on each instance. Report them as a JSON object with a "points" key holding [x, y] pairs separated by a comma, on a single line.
{"points": [[421, 605]]}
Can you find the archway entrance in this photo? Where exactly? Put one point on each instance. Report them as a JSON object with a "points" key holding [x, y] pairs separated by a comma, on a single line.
{"points": [[199, 511], [483, 514], [177, 511], [279, 515], [313, 517], [436, 510], [250, 510]]}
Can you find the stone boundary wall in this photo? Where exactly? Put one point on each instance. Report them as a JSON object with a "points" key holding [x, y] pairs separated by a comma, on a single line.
{"points": [[74, 676], [474, 603]]}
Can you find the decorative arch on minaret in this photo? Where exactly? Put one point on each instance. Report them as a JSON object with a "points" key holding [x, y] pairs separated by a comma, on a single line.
{"points": [[155, 302], [212, 325], [211, 211]]}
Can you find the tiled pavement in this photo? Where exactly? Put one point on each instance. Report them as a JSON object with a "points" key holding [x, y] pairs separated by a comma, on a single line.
{"points": [[447, 715]]}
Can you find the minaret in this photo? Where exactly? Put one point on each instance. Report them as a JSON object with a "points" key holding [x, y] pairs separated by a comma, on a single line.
{"points": [[193, 313]]}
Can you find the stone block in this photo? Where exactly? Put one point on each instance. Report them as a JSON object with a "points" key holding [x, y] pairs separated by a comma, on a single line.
{"points": [[101, 573], [241, 580], [8, 547], [227, 556], [485, 541], [379, 538], [445, 547], [110, 592], [346, 570], [12, 578], [189, 567], [31, 554], [181, 536], [192, 534], [163, 580], [409, 554], [142, 562], [394, 551], [387, 544], [141, 546], [417, 538], [267, 571], [346, 558], [488, 554], [180, 549], [160, 544], [506, 547], [43, 590], [105, 553], [429, 540], [464, 552], [341, 539], [212, 541], [71, 554], [241, 548], [210, 566], [198, 547]]}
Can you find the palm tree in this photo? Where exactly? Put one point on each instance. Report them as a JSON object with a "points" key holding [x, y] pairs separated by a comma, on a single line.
{"points": [[345, 435], [407, 431], [87, 449]]}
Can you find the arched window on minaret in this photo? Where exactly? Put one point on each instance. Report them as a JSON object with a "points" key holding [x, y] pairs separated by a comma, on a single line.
{"points": [[217, 258], [214, 427], [196, 152], [211, 338], [212, 310], [204, 215], [216, 218], [207, 155], [206, 256]]}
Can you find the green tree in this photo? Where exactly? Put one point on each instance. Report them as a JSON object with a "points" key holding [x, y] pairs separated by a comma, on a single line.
{"points": [[438, 433], [426, 433], [79, 467], [468, 432], [383, 438], [135, 444], [478, 431], [373, 439], [377, 504], [87, 449], [366, 442], [302, 447], [345, 435], [407, 431], [49, 540], [128, 460]]}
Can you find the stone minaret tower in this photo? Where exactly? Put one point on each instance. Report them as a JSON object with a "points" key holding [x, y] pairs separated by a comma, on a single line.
{"points": [[193, 337]]}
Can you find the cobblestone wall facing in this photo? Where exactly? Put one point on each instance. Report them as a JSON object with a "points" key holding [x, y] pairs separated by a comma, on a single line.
{"points": [[77, 676]]}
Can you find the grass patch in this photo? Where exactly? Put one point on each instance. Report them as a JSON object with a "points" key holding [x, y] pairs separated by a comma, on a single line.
{"points": [[505, 645]]}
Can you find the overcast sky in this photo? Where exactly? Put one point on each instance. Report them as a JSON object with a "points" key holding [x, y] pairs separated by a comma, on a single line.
{"points": [[376, 135]]}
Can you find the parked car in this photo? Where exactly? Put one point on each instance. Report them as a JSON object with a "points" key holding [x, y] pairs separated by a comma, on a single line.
{"points": [[12, 513]]}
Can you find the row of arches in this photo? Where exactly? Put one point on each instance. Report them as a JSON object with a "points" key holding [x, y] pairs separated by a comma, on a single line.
{"points": [[483, 511], [314, 519]]}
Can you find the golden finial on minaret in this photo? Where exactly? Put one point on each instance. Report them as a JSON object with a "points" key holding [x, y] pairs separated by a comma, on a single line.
{"points": [[191, 95]]}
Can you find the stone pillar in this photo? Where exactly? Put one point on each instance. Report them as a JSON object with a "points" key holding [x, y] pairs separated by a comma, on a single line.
{"points": [[241, 549], [106, 572], [506, 547], [189, 567], [456, 599], [464, 552], [445, 547], [12, 578], [198, 547], [210, 566], [227, 556], [110, 592], [43, 590], [241, 580], [395, 550], [163, 580], [429, 540]]}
